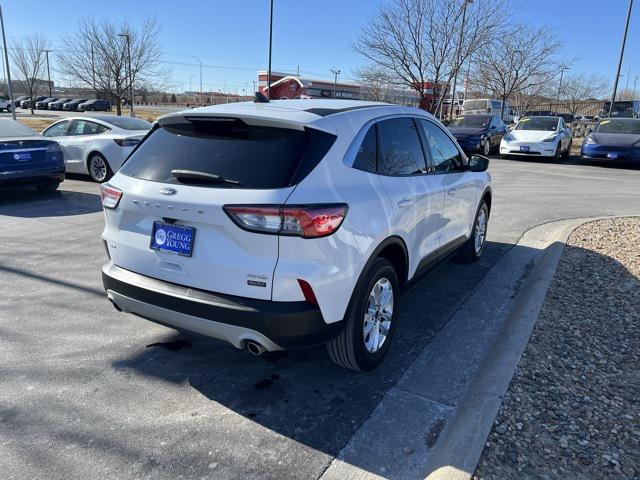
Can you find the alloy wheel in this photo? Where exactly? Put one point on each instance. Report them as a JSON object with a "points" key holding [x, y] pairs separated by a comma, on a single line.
{"points": [[98, 168], [480, 230], [377, 318]]}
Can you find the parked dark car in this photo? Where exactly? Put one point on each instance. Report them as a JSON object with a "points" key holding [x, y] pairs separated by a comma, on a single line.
{"points": [[57, 105], [622, 108], [568, 118], [539, 113], [27, 103], [27, 158], [95, 106], [478, 133], [613, 139], [44, 104], [16, 101], [72, 106]]}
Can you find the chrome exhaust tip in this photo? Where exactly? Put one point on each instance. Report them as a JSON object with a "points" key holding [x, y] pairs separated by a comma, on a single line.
{"points": [[255, 348]]}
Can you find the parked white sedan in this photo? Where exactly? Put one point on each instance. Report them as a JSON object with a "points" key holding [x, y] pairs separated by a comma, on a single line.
{"points": [[538, 136], [97, 145]]}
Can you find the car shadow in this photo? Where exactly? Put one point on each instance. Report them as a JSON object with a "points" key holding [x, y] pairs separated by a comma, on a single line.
{"points": [[571, 160], [27, 202], [301, 394]]}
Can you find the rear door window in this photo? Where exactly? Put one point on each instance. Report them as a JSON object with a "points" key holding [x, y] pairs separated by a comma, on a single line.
{"points": [[258, 157], [445, 156], [400, 148]]}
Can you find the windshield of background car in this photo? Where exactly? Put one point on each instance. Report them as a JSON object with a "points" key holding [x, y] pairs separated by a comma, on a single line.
{"points": [[538, 123], [631, 127], [471, 121], [255, 156], [474, 105], [129, 123]]}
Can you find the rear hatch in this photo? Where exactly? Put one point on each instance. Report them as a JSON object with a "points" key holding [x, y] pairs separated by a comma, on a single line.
{"points": [[235, 163]]}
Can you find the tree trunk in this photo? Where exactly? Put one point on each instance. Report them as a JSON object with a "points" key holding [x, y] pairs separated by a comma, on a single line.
{"points": [[118, 105]]}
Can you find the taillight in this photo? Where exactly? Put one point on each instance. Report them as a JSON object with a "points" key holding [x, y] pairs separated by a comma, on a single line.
{"points": [[127, 142], [110, 195], [311, 221]]}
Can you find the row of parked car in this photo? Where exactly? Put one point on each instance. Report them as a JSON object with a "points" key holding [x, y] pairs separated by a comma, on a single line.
{"points": [[43, 102]]}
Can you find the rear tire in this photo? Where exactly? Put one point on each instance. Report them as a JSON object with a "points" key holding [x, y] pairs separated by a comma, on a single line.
{"points": [[99, 169], [486, 147], [371, 319], [473, 249]]}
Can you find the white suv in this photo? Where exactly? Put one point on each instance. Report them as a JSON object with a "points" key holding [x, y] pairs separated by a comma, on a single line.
{"points": [[290, 223]]}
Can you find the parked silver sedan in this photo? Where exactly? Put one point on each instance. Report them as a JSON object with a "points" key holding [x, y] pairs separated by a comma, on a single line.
{"points": [[97, 145]]}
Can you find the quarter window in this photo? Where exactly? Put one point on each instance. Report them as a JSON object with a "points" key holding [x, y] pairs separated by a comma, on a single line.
{"points": [[445, 155], [368, 152], [400, 148]]}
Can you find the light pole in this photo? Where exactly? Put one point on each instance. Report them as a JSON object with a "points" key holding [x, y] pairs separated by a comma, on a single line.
{"points": [[126, 35], [200, 63], [48, 72], [635, 83], [624, 41], [560, 84], [270, 45], [191, 78], [457, 64], [335, 81], [6, 62]]}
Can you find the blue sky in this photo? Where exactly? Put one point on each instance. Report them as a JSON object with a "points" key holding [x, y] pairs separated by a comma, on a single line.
{"points": [[231, 37]]}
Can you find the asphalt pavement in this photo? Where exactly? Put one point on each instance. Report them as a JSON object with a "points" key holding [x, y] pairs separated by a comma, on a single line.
{"points": [[87, 392]]}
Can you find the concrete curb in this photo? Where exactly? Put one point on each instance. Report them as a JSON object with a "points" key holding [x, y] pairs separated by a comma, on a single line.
{"points": [[418, 431]]}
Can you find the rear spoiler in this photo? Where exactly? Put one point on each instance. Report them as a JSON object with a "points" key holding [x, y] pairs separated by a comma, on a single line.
{"points": [[256, 120]]}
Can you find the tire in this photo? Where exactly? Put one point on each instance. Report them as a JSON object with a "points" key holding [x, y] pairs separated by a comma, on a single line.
{"points": [[558, 155], [472, 250], [50, 187], [353, 348], [567, 152], [99, 169], [486, 147]]}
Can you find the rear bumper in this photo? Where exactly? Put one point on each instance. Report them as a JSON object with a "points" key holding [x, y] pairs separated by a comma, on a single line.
{"points": [[14, 179], [275, 325]]}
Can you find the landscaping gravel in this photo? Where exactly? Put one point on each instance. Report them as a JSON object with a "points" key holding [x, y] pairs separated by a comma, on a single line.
{"points": [[572, 409]]}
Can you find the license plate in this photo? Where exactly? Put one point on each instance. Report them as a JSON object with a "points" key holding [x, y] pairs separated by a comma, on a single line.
{"points": [[176, 239], [612, 155], [525, 148]]}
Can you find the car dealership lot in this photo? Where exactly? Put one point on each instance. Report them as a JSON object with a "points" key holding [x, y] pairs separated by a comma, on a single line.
{"points": [[87, 392]]}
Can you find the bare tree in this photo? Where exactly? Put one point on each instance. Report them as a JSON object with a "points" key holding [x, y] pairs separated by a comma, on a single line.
{"points": [[377, 83], [516, 61], [625, 95], [28, 56], [577, 90], [97, 57], [423, 42]]}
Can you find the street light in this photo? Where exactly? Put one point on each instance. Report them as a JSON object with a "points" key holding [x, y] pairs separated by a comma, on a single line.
{"points": [[200, 62], [191, 78], [457, 64], [48, 72], [560, 84], [335, 80], [624, 41], [270, 44], [6, 61], [126, 35]]}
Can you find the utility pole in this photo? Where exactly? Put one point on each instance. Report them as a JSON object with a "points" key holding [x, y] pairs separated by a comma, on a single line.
{"points": [[624, 41], [626, 87], [48, 72], [635, 83], [560, 84], [335, 81], [457, 64], [200, 63], [6, 61], [270, 45], [254, 87]]}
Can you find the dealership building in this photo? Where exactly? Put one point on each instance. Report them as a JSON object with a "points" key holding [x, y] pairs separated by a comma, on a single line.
{"points": [[291, 85]]}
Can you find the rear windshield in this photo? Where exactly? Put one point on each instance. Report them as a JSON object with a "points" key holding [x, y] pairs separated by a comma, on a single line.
{"points": [[471, 121], [9, 128], [619, 126], [538, 123], [257, 157], [127, 123]]}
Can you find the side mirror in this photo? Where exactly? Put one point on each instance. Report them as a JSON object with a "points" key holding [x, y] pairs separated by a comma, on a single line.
{"points": [[478, 163]]}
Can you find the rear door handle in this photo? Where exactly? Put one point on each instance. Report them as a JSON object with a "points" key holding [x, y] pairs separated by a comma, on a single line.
{"points": [[407, 202]]}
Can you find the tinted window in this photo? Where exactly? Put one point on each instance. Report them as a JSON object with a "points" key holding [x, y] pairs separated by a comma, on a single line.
{"points": [[444, 154], [470, 121], [538, 123], [400, 149], [368, 152], [627, 126], [84, 127], [57, 130], [255, 156], [127, 123]]}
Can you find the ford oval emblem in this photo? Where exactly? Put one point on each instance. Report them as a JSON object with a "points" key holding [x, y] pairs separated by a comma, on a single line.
{"points": [[168, 191]]}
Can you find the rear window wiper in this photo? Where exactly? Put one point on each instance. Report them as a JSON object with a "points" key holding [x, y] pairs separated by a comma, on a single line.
{"points": [[194, 176]]}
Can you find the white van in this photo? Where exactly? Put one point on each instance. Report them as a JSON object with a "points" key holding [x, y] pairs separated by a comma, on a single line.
{"points": [[488, 105]]}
